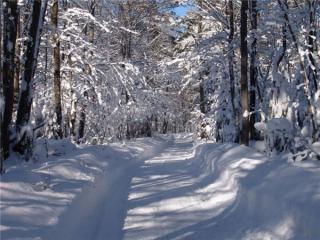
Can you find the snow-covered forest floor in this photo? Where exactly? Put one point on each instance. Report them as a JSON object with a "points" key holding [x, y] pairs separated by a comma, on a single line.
{"points": [[167, 187]]}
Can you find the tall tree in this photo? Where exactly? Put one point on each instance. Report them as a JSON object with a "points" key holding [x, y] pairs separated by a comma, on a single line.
{"points": [[244, 136], [1, 93], [9, 42], [201, 87], [313, 66], [308, 91], [253, 67], [90, 33], [234, 102], [56, 70], [126, 37], [30, 59], [16, 85], [278, 107]]}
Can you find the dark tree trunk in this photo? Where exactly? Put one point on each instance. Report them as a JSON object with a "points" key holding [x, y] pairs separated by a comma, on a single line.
{"points": [[201, 81], [126, 37], [16, 85], [312, 45], [82, 119], [244, 135], [30, 59], [164, 124], [90, 33], [253, 69], [82, 123], [231, 69], [1, 92], [148, 129], [156, 123], [9, 41], [165, 127], [56, 70], [313, 67], [202, 98]]}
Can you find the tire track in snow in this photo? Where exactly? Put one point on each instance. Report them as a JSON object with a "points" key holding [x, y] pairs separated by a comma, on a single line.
{"points": [[99, 211], [182, 190]]}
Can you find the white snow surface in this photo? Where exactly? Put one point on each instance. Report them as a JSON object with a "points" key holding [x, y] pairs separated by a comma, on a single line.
{"points": [[158, 188]]}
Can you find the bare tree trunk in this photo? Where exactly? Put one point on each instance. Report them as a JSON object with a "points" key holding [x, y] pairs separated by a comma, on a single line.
{"points": [[244, 135], [16, 85], [126, 37], [73, 116], [30, 58], [313, 67], [90, 32], [9, 42], [201, 82], [1, 92], [56, 70], [253, 69], [82, 123], [202, 97], [231, 68], [312, 45]]}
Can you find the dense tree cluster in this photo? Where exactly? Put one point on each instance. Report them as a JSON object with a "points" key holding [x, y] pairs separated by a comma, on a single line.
{"points": [[253, 61], [89, 70]]}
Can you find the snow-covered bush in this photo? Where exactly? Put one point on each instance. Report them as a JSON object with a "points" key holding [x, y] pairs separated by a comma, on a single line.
{"points": [[304, 149], [278, 134]]}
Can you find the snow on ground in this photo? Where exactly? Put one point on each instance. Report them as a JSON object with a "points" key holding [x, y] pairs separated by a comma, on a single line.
{"points": [[160, 188], [67, 194]]}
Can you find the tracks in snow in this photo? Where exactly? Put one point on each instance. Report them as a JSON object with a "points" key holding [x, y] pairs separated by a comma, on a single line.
{"points": [[184, 192], [171, 191]]}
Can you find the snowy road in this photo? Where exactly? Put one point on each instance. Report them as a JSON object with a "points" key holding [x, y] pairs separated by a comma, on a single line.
{"points": [[180, 193], [219, 191], [162, 188], [159, 199]]}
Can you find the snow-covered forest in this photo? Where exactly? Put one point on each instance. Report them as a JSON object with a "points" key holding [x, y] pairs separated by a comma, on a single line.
{"points": [[159, 119]]}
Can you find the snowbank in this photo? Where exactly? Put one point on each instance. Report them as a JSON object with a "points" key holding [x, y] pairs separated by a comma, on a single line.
{"points": [[40, 198], [266, 199]]}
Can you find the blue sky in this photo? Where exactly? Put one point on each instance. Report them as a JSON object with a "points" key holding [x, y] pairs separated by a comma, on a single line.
{"points": [[181, 10]]}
